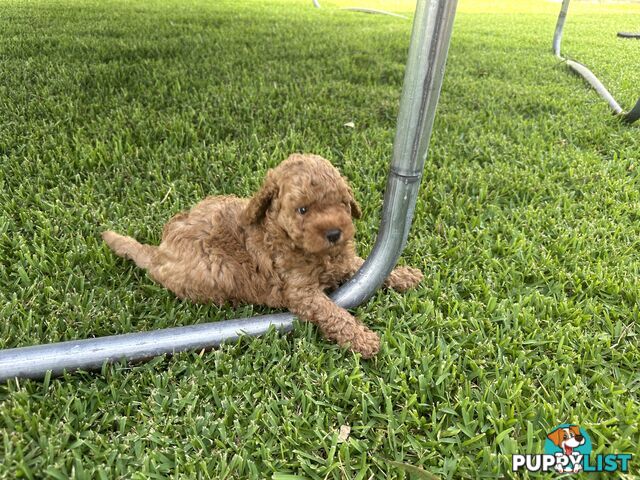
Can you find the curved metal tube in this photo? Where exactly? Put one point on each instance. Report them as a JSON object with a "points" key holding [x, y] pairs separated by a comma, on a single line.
{"points": [[628, 35], [587, 74], [430, 37], [371, 10], [633, 114], [424, 72], [597, 85], [92, 353]]}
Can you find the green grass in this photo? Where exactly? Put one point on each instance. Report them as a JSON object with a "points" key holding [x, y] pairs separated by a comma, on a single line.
{"points": [[119, 114]]}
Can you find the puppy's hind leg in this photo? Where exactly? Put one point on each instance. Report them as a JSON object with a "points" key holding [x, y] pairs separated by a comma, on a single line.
{"points": [[129, 248], [400, 278], [403, 278]]}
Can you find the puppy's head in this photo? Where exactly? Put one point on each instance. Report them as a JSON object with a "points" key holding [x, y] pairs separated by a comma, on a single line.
{"points": [[306, 200], [567, 437]]}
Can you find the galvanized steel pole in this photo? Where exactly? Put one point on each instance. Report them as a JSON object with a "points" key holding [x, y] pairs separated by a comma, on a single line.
{"points": [[630, 116], [557, 35], [432, 26], [430, 37]]}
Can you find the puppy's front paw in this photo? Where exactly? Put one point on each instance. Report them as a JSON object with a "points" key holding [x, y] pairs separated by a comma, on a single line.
{"points": [[366, 342], [404, 278]]}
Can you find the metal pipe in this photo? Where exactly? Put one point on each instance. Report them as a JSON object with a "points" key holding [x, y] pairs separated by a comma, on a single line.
{"points": [[597, 85], [587, 74], [432, 26], [371, 10], [633, 114], [557, 35], [628, 35], [428, 48], [92, 353]]}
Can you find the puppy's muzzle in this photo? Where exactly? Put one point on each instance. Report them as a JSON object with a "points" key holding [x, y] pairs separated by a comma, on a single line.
{"points": [[333, 235]]}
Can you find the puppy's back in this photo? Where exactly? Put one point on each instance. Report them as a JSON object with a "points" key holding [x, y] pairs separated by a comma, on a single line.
{"points": [[215, 217]]}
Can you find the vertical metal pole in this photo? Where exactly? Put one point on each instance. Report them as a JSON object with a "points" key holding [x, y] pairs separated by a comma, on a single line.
{"points": [[430, 37], [628, 117], [423, 78], [557, 36]]}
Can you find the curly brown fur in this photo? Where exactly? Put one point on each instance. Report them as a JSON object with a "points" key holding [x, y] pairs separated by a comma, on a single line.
{"points": [[266, 250]]}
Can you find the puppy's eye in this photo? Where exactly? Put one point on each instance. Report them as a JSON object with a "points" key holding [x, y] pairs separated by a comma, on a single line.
{"points": [[301, 210]]}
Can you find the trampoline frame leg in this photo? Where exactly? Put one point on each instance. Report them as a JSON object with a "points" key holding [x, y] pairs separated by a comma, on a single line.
{"points": [[431, 33], [630, 116]]}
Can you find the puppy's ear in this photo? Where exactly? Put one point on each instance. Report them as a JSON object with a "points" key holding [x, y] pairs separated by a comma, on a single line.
{"points": [[259, 203], [556, 436], [356, 212]]}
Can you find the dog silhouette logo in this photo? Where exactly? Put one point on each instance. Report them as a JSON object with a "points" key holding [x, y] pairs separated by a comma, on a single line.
{"points": [[568, 450], [571, 442]]}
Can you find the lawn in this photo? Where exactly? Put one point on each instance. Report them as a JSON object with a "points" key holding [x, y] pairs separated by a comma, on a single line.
{"points": [[117, 114]]}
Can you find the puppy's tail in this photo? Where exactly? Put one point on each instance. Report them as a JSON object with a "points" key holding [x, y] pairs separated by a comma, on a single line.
{"points": [[129, 248]]}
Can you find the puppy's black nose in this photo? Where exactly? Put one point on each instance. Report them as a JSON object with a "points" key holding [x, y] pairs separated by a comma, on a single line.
{"points": [[333, 235], [579, 438]]}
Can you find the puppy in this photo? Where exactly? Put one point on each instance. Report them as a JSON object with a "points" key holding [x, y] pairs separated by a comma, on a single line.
{"points": [[567, 439], [284, 248]]}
